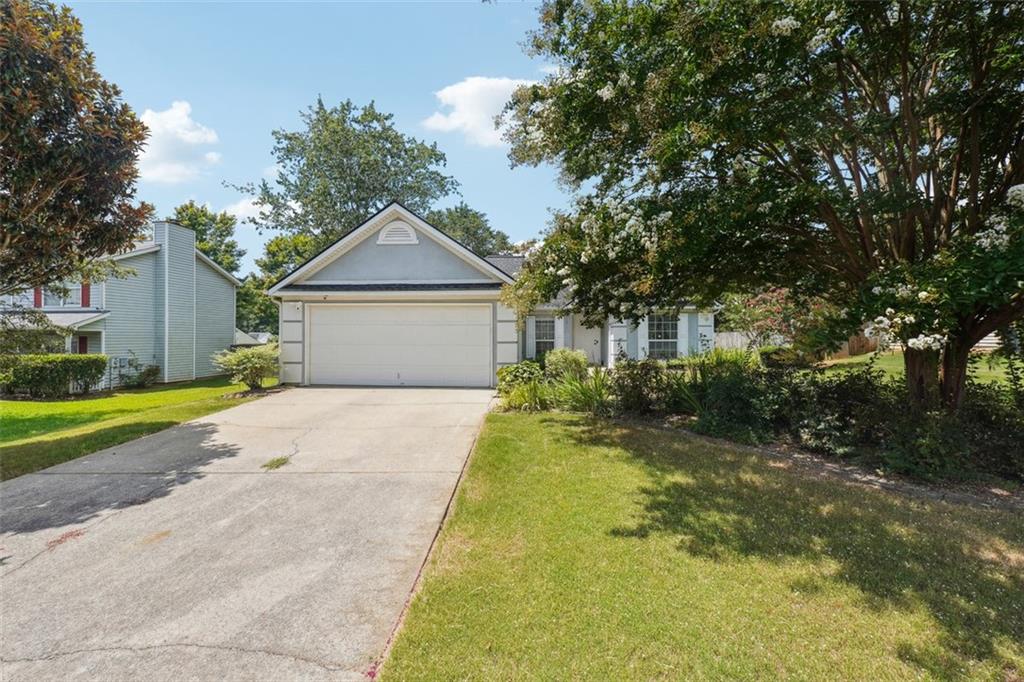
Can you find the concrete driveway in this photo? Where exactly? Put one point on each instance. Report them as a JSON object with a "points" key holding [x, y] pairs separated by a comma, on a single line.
{"points": [[177, 557]]}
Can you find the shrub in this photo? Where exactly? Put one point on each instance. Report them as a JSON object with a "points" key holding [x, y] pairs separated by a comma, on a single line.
{"points": [[680, 396], [532, 396], [592, 393], [637, 384], [562, 363], [511, 376], [51, 375], [250, 365], [142, 378]]}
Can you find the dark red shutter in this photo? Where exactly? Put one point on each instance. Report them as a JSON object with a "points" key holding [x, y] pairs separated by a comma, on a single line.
{"points": [[37, 298], [83, 344], [86, 291]]}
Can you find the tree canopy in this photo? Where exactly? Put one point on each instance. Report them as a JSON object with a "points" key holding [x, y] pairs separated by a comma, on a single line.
{"points": [[68, 151], [215, 233], [472, 228], [869, 153], [343, 166]]}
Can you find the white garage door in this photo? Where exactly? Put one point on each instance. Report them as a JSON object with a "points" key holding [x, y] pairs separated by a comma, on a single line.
{"points": [[400, 345]]}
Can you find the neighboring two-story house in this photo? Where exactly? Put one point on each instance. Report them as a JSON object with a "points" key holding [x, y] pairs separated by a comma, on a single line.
{"points": [[175, 310], [398, 302]]}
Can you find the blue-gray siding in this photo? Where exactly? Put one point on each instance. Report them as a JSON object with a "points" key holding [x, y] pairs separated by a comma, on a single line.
{"points": [[215, 317], [180, 261]]}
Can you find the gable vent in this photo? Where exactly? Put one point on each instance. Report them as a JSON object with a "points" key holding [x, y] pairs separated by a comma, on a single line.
{"points": [[397, 232]]}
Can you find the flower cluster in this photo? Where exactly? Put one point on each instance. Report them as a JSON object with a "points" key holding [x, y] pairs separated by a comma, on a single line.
{"points": [[926, 342], [1015, 196], [784, 26], [996, 236]]}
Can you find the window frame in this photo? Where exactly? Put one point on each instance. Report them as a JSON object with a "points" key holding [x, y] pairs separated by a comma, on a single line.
{"points": [[72, 299], [538, 340], [663, 330]]}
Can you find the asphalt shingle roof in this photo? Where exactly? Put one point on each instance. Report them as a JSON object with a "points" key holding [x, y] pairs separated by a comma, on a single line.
{"points": [[509, 264]]}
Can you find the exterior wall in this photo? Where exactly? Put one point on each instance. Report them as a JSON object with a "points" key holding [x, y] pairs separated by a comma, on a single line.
{"points": [[291, 335], [507, 349], [180, 261], [135, 324], [215, 316], [369, 261]]}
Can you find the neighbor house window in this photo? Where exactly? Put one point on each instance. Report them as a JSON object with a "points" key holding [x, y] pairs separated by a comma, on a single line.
{"points": [[662, 336], [22, 299], [545, 335], [72, 298]]}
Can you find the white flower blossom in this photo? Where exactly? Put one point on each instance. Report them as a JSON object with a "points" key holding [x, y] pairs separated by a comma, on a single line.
{"points": [[820, 39], [926, 342], [607, 92], [1015, 196], [784, 26], [624, 80]]}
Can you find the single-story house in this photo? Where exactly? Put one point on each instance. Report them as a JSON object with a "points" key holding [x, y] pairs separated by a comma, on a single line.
{"points": [[396, 302], [175, 310]]}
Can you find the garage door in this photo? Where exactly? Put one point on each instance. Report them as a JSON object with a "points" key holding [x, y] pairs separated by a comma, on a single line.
{"points": [[400, 345]]}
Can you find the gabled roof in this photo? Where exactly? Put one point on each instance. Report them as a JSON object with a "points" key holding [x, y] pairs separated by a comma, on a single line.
{"points": [[378, 220], [506, 262]]}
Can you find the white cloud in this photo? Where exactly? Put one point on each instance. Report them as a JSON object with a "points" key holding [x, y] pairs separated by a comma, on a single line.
{"points": [[243, 208], [474, 103], [175, 149]]}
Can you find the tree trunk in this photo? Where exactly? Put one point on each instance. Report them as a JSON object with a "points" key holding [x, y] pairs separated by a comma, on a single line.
{"points": [[954, 373], [922, 370]]}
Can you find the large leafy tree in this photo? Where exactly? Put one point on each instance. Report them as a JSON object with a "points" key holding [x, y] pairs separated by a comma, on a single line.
{"points": [[345, 164], [215, 233], [471, 228], [68, 150], [868, 152], [341, 167]]}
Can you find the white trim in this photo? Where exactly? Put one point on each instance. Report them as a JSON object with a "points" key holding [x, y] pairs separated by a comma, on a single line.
{"points": [[363, 231], [167, 303], [307, 316], [340, 296], [401, 281], [137, 252], [221, 271], [194, 316], [642, 342]]}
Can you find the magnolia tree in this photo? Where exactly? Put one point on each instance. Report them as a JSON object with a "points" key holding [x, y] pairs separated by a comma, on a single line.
{"points": [[871, 154]]}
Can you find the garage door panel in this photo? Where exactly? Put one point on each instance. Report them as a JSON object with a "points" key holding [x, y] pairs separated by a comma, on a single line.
{"points": [[389, 345]]}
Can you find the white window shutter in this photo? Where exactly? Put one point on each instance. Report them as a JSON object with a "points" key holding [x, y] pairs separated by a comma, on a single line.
{"points": [[531, 337], [683, 335], [642, 340], [560, 332]]}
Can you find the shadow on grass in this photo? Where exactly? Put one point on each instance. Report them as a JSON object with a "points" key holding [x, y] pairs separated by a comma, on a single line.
{"points": [[79, 491], [965, 567]]}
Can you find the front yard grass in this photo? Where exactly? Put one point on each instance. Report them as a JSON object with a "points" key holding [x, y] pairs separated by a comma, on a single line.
{"points": [[985, 369], [35, 435], [581, 549]]}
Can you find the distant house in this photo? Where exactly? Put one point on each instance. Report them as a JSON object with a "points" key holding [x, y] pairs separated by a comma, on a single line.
{"points": [[243, 339], [397, 302], [174, 311]]}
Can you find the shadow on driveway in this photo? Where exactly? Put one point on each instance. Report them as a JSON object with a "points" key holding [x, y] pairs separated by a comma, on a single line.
{"points": [[124, 476]]}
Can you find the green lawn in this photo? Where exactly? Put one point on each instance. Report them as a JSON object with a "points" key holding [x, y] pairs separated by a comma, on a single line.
{"points": [[583, 550], [38, 434], [891, 362]]}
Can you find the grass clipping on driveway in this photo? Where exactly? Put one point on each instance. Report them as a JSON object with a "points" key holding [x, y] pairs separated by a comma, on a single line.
{"points": [[582, 549]]}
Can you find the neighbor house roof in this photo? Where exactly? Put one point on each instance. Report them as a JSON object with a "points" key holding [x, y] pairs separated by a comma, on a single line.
{"points": [[393, 286], [508, 263], [243, 339], [73, 319]]}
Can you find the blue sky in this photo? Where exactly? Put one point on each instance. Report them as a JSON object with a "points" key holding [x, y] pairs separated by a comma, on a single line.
{"points": [[213, 79]]}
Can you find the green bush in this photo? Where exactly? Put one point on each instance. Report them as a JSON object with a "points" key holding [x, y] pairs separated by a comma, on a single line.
{"points": [[51, 375], [250, 365], [511, 376], [637, 384], [591, 393], [784, 356], [533, 396], [142, 378], [562, 363]]}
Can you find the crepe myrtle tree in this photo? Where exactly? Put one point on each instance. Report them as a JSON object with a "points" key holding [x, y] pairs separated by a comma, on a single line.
{"points": [[870, 153]]}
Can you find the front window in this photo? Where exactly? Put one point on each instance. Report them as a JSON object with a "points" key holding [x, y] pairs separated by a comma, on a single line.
{"points": [[545, 334], [70, 299], [22, 299], [663, 336]]}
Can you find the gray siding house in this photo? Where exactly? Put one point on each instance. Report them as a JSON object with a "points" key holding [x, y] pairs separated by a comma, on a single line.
{"points": [[174, 311], [397, 302]]}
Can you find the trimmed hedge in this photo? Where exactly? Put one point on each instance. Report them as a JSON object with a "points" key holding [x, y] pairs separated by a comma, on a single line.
{"points": [[51, 375]]}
